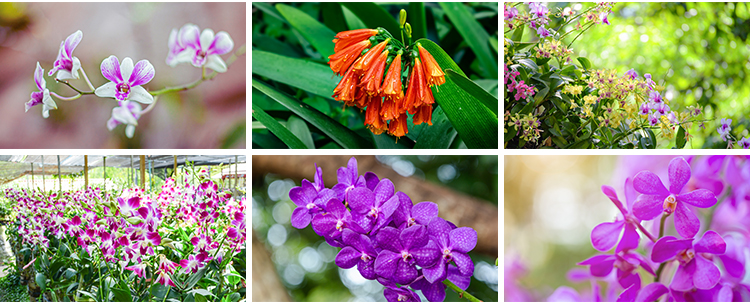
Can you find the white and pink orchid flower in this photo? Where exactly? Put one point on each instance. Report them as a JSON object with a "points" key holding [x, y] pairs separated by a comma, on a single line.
{"points": [[201, 49], [66, 65], [126, 80], [42, 96], [127, 113], [192, 264]]}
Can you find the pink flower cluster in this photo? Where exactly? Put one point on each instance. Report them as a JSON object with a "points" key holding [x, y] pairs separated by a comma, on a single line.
{"points": [[522, 90]]}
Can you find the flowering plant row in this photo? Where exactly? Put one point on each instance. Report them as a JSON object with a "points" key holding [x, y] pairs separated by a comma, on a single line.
{"points": [[698, 255], [188, 45], [552, 101], [186, 243], [404, 246]]}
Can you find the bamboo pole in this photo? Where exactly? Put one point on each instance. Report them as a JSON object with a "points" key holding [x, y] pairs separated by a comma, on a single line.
{"points": [[86, 172], [59, 177], [32, 176], [104, 163], [143, 172], [44, 186], [174, 170]]}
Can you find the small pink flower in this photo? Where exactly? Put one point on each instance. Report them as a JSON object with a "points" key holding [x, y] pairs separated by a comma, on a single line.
{"points": [[66, 65], [191, 265], [126, 80], [199, 48], [42, 96]]}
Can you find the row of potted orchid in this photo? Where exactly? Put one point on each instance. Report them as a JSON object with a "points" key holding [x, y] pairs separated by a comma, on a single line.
{"points": [[184, 243]]}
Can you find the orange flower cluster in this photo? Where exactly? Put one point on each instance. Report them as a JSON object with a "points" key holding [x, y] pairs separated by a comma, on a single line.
{"points": [[370, 86]]}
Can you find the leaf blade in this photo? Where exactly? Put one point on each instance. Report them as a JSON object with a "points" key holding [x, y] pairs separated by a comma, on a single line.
{"points": [[473, 89], [474, 35], [303, 74], [320, 36], [373, 16], [277, 129]]}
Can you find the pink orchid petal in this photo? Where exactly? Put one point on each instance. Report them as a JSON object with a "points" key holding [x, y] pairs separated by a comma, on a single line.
{"points": [[221, 44], [143, 72], [706, 274], [111, 69], [604, 236], [685, 221], [711, 242], [702, 198], [647, 182], [667, 247], [648, 206], [651, 292], [679, 174]]}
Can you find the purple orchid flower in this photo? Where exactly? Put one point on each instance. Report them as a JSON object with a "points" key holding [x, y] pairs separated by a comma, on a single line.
{"points": [[127, 113], [744, 143], [401, 250], [348, 179], [66, 65], [655, 198], [695, 270], [139, 269], [538, 9], [359, 251], [651, 293], [332, 223], [42, 96], [373, 209], [603, 17], [435, 292], [393, 293], [604, 236], [509, 14], [309, 202], [126, 80], [725, 128], [542, 32], [626, 263], [632, 74], [201, 49], [407, 214], [130, 207], [453, 244]]}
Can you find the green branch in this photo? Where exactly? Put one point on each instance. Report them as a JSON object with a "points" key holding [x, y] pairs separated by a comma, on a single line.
{"points": [[461, 292]]}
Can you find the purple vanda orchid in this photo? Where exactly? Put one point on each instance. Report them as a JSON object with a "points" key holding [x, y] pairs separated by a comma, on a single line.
{"points": [[656, 198], [605, 235], [373, 209], [359, 251], [348, 179], [697, 269], [128, 114], [201, 49], [402, 249], [126, 80], [309, 203], [42, 96], [66, 65], [453, 245]]}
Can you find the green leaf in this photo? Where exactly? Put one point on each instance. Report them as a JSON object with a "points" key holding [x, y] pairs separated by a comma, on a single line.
{"points": [[320, 36], [303, 74], [385, 141], [352, 21], [122, 295], [473, 89], [89, 294], [539, 97], [474, 122], [373, 16], [339, 133], [418, 20], [298, 127], [681, 141], [518, 34], [202, 292], [41, 280], [474, 35], [277, 129], [273, 45], [333, 16], [438, 136], [585, 62], [269, 9], [195, 277]]}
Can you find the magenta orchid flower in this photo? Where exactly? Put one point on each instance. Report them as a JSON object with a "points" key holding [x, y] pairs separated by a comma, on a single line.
{"points": [[139, 269], [655, 198], [130, 207], [66, 65], [127, 113], [191, 265], [42, 96], [201, 49], [626, 264], [605, 235], [696, 270], [126, 80], [201, 242]]}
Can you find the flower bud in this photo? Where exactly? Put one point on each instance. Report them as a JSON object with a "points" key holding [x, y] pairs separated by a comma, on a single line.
{"points": [[408, 30], [134, 220], [402, 17]]}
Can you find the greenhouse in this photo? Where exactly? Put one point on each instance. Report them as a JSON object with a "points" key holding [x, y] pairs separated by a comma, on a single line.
{"points": [[125, 228]]}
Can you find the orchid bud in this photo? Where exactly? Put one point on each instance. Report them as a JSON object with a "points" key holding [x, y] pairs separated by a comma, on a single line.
{"points": [[402, 17]]}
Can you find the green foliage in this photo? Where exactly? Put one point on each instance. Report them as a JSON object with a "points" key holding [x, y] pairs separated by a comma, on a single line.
{"points": [[11, 289], [291, 45]]}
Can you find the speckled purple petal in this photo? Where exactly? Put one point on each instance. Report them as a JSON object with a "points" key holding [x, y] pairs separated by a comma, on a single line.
{"points": [[387, 209], [383, 191], [403, 211], [629, 239], [351, 238], [426, 256], [371, 180], [685, 221], [463, 262], [683, 278], [463, 239], [363, 221], [385, 264], [436, 272], [459, 280], [413, 237], [651, 292], [647, 182], [711, 242], [388, 238], [367, 269], [702, 198], [424, 212], [405, 273], [649, 206], [348, 257], [604, 236], [679, 174], [360, 200], [667, 247], [438, 230], [433, 292], [323, 224], [300, 217], [629, 294], [303, 194], [706, 274]]}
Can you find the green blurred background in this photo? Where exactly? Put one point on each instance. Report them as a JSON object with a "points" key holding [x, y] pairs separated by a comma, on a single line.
{"points": [[304, 262]]}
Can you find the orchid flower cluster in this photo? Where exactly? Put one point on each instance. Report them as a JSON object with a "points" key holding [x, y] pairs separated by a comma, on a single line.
{"points": [[698, 256], [127, 79], [724, 131], [134, 231], [403, 246], [386, 95], [538, 17]]}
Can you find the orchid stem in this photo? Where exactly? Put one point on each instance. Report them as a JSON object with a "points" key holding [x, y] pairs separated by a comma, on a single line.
{"points": [[75, 89], [87, 80], [460, 291], [661, 225], [645, 232], [661, 234], [59, 97], [150, 106]]}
